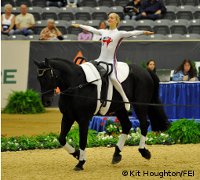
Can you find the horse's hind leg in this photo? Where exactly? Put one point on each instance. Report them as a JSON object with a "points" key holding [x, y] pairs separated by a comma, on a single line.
{"points": [[141, 112], [122, 115], [65, 127]]}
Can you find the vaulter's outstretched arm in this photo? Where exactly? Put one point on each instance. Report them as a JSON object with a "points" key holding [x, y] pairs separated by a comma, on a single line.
{"points": [[88, 28], [126, 34]]}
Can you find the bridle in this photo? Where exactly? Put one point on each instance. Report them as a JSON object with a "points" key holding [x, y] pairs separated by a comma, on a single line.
{"points": [[41, 72]]}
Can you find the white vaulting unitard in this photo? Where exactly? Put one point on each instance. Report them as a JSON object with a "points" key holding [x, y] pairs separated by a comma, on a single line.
{"points": [[110, 41], [69, 148], [121, 141], [142, 142], [82, 155]]}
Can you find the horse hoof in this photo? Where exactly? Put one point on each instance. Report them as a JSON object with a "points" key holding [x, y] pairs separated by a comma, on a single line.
{"points": [[79, 166], [116, 159], [145, 153], [76, 154]]}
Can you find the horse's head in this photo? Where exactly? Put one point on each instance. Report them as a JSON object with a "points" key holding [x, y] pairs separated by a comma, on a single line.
{"points": [[47, 78]]}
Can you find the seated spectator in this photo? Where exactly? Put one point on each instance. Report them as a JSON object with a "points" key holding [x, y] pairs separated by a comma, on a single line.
{"points": [[151, 65], [57, 3], [132, 9], [24, 22], [152, 9], [85, 35], [72, 3], [185, 72], [102, 25], [51, 32], [7, 21]]}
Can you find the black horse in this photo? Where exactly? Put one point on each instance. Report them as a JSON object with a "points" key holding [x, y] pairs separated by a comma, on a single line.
{"points": [[78, 102]]}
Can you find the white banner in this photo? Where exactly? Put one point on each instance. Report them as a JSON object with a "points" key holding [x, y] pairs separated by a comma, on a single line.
{"points": [[14, 67]]}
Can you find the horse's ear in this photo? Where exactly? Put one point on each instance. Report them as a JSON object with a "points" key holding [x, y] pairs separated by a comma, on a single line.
{"points": [[36, 63]]}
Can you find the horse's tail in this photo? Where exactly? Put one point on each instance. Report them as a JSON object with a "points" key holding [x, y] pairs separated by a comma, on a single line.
{"points": [[157, 115]]}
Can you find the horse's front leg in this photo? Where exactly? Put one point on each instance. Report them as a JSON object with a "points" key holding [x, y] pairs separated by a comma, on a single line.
{"points": [[65, 128], [122, 115], [83, 132]]}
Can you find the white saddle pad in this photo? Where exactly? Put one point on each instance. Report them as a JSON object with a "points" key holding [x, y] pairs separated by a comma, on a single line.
{"points": [[92, 74]]}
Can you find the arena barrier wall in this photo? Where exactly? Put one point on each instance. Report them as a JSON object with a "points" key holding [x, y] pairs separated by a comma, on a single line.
{"points": [[14, 67]]}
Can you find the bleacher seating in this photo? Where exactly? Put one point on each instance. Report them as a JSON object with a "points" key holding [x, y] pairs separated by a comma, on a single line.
{"points": [[179, 26], [33, 37], [173, 2], [89, 3], [126, 25], [39, 3], [192, 36], [100, 12], [50, 13], [196, 13], [4, 37], [162, 26], [194, 27], [66, 14], [27, 2], [70, 37], [36, 12], [83, 13], [175, 36], [182, 19], [4, 2], [73, 30], [185, 12], [121, 2], [17, 37], [190, 2], [171, 13], [144, 25], [62, 26], [107, 3], [94, 23]]}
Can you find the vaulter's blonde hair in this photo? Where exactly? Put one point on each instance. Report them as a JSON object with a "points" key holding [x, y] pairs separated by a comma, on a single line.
{"points": [[116, 16]]}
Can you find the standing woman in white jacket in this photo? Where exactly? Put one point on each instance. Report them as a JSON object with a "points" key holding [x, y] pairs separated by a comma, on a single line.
{"points": [[111, 39]]}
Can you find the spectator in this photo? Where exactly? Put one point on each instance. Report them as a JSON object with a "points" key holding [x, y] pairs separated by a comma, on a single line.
{"points": [[102, 25], [57, 3], [132, 9], [185, 72], [85, 35], [51, 32], [72, 3], [152, 9], [24, 22], [151, 65], [7, 21]]}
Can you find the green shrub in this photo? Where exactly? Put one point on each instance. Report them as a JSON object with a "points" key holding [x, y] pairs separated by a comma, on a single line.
{"points": [[49, 141], [27, 102], [182, 131], [185, 131]]}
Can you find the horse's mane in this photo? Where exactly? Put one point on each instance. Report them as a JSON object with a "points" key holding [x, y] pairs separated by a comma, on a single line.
{"points": [[62, 63]]}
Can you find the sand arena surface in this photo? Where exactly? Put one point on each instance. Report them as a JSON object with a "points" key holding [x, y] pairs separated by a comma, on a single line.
{"points": [[57, 164]]}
